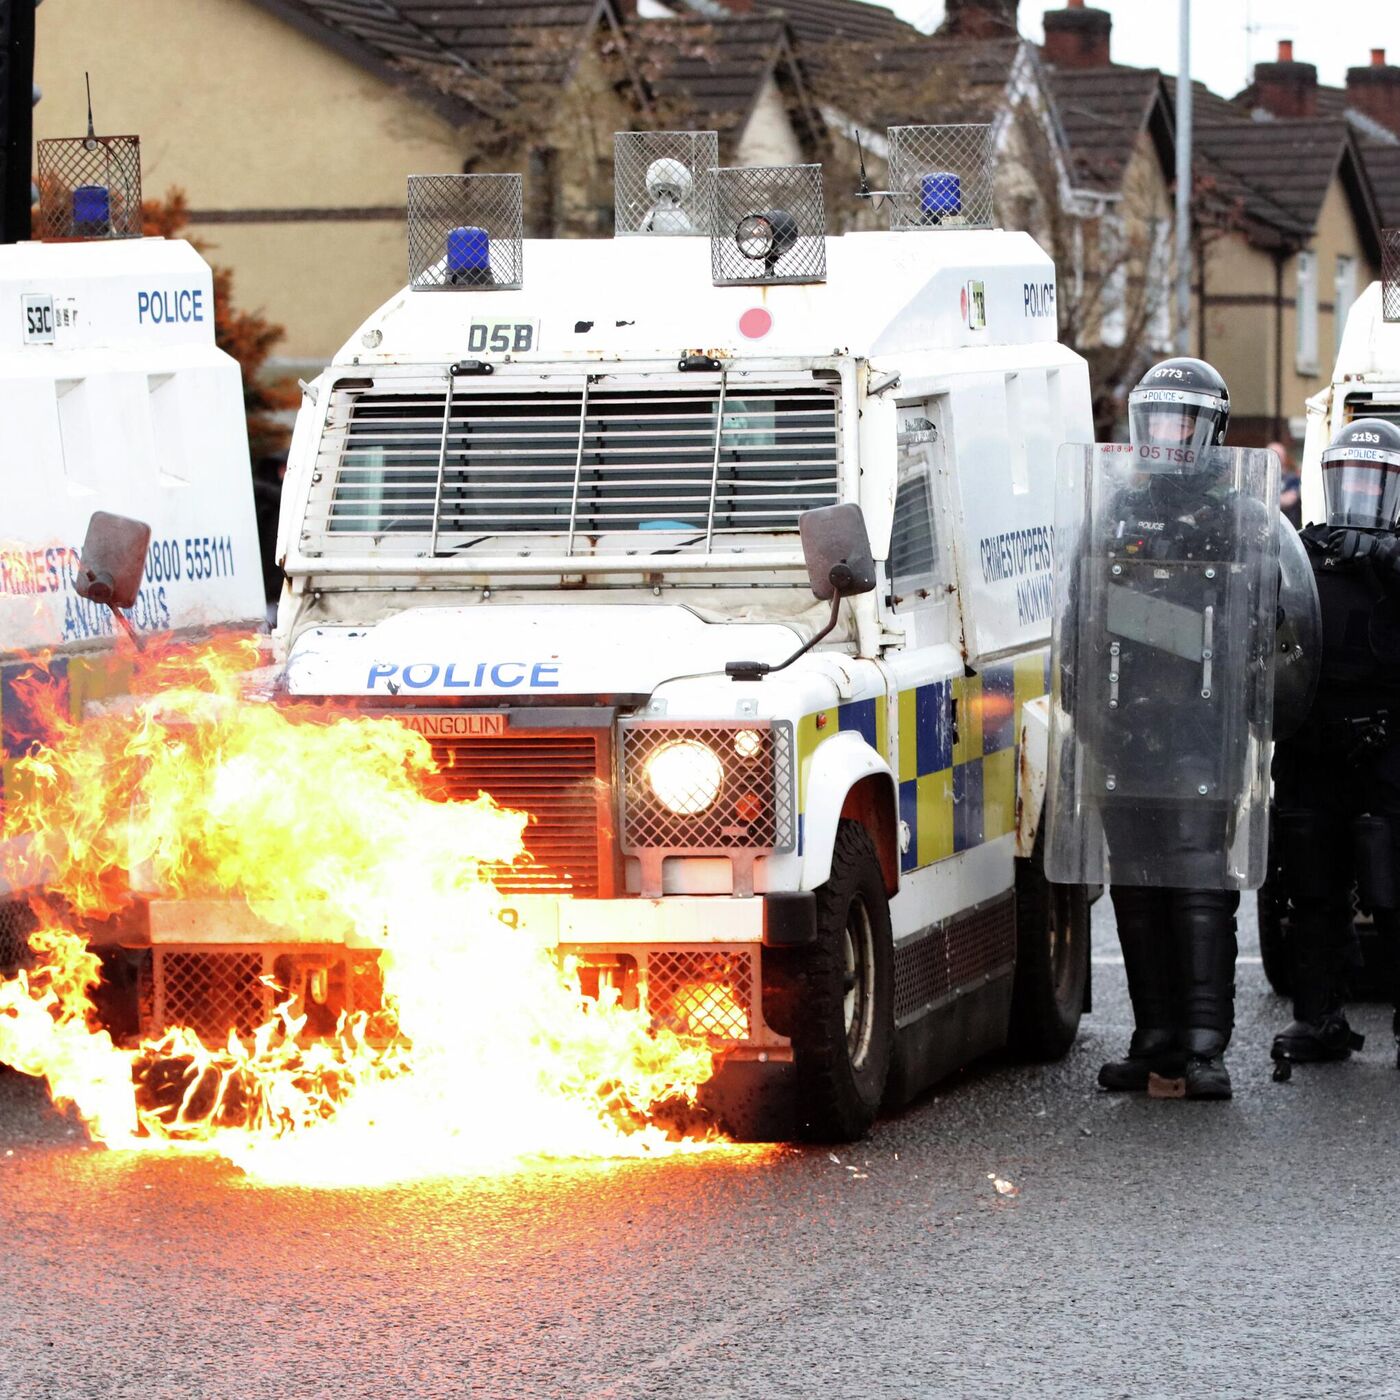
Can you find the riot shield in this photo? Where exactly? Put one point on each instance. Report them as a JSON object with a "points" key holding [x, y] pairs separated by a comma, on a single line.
{"points": [[1166, 589]]}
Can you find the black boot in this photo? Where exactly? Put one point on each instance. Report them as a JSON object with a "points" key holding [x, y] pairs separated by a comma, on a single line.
{"points": [[1203, 929], [1144, 932], [1205, 1073], [1149, 1052], [1319, 1031]]}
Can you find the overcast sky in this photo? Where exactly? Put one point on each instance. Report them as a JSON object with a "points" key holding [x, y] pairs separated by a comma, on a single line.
{"points": [[1227, 36]]}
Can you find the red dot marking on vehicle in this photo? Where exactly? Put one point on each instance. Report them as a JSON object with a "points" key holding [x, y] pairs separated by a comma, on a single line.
{"points": [[756, 322]]}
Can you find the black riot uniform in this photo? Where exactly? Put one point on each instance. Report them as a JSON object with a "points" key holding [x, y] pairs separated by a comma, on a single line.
{"points": [[1337, 781], [1178, 943]]}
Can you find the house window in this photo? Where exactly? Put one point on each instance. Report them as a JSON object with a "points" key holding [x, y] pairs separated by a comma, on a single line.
{"points": [[1307, 313], [1343, 294]]}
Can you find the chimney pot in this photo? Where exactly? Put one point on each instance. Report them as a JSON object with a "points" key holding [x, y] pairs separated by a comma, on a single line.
{"points": [[1078, 37], [1286, 88], [1374, 90]]}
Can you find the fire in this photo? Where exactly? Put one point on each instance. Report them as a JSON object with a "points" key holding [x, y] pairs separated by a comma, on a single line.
{"points": [[711, 1008], [484, 1055]]}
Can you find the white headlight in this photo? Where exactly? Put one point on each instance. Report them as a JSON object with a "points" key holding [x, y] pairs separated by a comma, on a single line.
{"points": [[685, 776]]}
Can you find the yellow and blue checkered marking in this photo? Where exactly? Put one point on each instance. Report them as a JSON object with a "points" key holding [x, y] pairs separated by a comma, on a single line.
{"points": [[958, 757]]}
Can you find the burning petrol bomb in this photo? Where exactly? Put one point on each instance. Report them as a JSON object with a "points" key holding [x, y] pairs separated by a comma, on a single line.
{"points": [[479, 1053]]}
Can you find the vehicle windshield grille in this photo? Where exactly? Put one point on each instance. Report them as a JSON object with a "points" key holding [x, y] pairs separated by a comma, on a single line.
{"points": [[705, 464]]}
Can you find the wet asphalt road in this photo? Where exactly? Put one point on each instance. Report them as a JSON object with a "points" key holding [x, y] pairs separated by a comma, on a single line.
{"points": [[1154, 1248]]}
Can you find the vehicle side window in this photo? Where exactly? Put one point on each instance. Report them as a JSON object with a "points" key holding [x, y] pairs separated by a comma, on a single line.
{"points": [[914, 563]]}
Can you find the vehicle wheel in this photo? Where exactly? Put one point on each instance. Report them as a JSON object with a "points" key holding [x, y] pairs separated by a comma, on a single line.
{"points": [[843, 1002], [1272, 907], [1052, 960]]}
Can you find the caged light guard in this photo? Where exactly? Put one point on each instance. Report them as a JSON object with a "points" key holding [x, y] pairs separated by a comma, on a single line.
{"points": [[941, 176], [769, 226], [663, 182], [465, 231], [89, 187]]}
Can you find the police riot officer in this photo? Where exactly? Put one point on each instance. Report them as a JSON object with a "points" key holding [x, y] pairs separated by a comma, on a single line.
{"points": [[1337, 781], [1178, 942]]}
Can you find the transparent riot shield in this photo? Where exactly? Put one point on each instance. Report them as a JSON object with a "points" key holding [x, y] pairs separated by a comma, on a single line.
{"points": [[1166, 579]]}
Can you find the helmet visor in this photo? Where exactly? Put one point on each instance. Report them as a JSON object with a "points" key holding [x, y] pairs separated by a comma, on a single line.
{"points": [[1173, 418], [1361, 487]]}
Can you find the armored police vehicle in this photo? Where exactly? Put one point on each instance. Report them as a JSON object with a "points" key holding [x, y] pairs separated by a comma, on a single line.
{"points": [[114, 397], [548, 507]]}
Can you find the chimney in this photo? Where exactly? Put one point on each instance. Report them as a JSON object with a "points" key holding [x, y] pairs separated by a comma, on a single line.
{"points": [[1286, 88], [979, 19], [1077, 37], [1375, 91]]}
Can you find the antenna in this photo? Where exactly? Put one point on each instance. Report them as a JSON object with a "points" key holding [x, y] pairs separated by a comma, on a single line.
{"points": [[90, 144], [864, 191]]}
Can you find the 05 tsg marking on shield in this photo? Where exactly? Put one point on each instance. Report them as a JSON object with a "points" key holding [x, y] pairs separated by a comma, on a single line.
{"points": [[503, 337]]}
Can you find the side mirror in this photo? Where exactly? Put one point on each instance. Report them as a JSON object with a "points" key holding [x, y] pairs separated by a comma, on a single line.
{"points": [[837, 550], [114, 559], [839, 563]]}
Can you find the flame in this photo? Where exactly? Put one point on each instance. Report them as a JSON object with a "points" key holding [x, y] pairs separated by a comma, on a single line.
{"points": [[711, 1008], [484, 1055]]}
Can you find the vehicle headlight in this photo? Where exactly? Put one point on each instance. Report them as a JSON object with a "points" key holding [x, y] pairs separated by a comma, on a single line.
{"points": [[685, 776]]}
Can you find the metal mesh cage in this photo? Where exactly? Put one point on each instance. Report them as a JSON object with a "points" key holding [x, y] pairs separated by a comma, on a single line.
{"points": [[769, 225], [1390, 274], [744, 802], [89, 187], [663, 181], [941, 176], [212, 993], [465, 231], [701, 992]]}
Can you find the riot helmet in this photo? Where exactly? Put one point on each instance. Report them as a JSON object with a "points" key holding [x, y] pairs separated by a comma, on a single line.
{"points": [[1361, 476], [1182, 403]]}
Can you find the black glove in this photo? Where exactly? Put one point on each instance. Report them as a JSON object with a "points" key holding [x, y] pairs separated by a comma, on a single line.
{"points": [[1382, 550]]}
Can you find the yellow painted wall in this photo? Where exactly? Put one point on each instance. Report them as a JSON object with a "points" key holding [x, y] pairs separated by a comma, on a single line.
{"points": [[1240, 340]]}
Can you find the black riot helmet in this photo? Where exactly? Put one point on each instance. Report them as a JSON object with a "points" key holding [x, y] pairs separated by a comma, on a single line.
{"points": [[1180, 402], [1361, 476]]}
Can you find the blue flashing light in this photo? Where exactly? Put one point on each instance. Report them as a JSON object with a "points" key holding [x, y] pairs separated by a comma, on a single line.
{"points": [[468, 254], [940, 194], [92, 209]]}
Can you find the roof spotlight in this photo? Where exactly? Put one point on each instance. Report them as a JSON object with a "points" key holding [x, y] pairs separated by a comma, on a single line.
{"points": [[669, 183], [766, 237]]}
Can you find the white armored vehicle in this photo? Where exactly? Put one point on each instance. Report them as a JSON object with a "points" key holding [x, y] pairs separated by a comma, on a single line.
{"points": [[115, 398], [548, 507]]}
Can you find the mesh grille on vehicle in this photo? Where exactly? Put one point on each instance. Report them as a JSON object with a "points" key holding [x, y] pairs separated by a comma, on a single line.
{"points": [[663, 181], [1390, 274], [464, 231], [981, 941], [711, 462], [212, 993], [753, 809], [89, 187], [956, 954], [701, 992], [941, 176], [769, 226], [553, 777]]}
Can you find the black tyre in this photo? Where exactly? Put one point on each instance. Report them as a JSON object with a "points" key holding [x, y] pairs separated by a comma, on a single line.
{"points": [[843, 997], [1052, 961]]}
